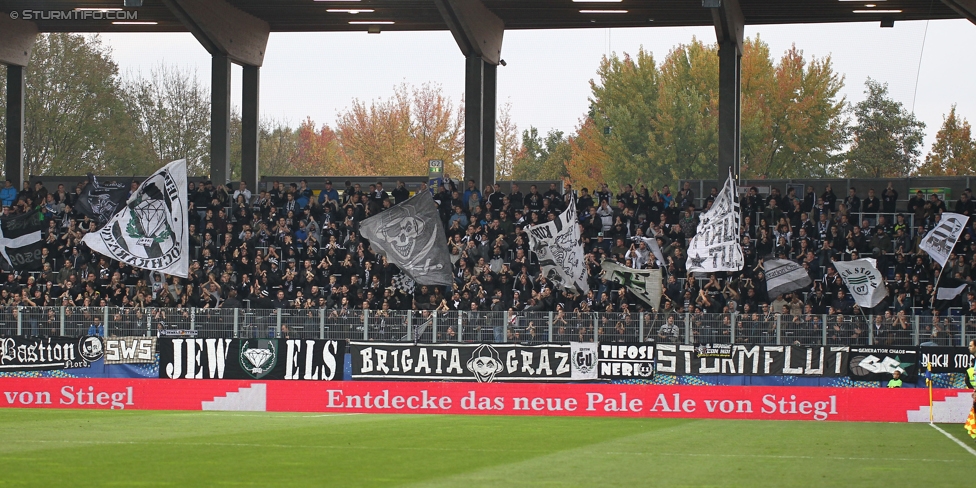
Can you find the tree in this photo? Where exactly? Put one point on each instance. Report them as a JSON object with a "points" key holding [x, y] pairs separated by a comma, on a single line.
{"points": [[588, 158], [793, 123], [173, 112], [684, 139], [76, 119], [623, 108], [954, 150], [507, 143], [400, 134], [541, 159], [886, 140]]}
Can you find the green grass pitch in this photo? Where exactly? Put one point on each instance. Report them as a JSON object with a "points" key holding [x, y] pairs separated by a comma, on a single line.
{"points": [[81, 448]]}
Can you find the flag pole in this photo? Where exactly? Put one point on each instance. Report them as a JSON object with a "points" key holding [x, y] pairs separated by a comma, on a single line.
{"points": [[928, 382]]}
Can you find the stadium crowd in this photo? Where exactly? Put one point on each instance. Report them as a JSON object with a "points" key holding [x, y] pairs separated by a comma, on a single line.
{"points": [[290, 247]]}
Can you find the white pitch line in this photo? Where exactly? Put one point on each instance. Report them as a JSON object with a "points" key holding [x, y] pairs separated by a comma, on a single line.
{"points": [[962, 444]]}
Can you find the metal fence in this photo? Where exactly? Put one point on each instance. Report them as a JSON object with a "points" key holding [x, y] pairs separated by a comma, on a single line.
{"points": [[498, 327]]}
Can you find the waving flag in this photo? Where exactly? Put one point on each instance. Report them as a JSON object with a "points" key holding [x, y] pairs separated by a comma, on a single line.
{"points": [[412, 237], [863, 280], [784, 276], [644, 283], [150, 231], [716, 246], [101, 201], [939, 242], [559, 247], [20, 240]]}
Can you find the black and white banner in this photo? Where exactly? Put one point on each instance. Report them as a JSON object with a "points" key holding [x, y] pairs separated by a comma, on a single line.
{"points": [[863, 280], [484, 363], [42, 354], [412, 237], [271, 359], [151, 231], [643, 283], [946, 359], [627, 361], [130, 350], [784, 276], [938, 243], [716, 246], [878, 363], [754, 360], [20, 240], [559, 247], [101, 201]]}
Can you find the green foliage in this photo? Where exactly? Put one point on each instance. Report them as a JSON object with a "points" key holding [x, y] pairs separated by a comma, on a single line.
{"points": [[660, 123], [886, 140], [954, 150], [542, 158], [76, 119]]}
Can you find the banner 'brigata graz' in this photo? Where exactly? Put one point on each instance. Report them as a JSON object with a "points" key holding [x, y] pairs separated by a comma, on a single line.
{"points": [[484, 363], [151, 231]]}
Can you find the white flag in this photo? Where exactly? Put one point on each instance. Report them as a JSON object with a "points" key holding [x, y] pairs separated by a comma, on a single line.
{"points": [[863, 280], [559, 247], [656, 249], [939, 242], [644, 283], [784, 276], [151, 231], [950, 293], [716, 246]]}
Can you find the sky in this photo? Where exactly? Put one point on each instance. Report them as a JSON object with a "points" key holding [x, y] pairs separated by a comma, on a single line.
{"points": [[928, 65]]}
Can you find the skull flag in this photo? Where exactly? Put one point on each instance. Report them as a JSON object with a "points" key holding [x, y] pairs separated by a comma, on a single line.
{"points": [[412, 237], [150, 231], [559, 247], [101, 201]]}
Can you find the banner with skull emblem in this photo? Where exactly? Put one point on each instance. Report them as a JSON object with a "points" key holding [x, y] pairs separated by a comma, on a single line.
{"points": [[412, 237], [559, 247], [150, 231]]}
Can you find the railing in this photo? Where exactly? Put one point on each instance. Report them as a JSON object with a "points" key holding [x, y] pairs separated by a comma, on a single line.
{"points": [[522, 327]]}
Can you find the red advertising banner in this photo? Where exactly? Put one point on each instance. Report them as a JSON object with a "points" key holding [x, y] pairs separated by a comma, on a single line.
{"points": [[598, 400]]}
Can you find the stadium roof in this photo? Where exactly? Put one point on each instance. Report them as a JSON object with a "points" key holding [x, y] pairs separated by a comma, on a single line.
{"points": [[417, 15]]}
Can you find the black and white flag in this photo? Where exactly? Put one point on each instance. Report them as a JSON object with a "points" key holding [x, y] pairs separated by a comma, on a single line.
{"points": [[644, 283], [950, 288], [655, 249], [412, 237], [559, 247], [716, 246], [101, 201], [150, 231], [21, 242], [939, 242], [784, 276], [863, 280]]}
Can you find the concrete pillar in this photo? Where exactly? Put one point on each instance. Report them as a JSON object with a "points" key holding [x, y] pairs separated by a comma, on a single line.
{"points": [[488, 105], [250, 126], [14, 157], [220, 119], [728, 110], [474, 77]]}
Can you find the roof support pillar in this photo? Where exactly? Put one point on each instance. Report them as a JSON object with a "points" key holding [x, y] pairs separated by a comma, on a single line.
{"points": [[14, 148], [229, 35], [474, 117], [16, 42], [729, 29], [220, 119], [478, 32], [250, 126]]}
